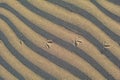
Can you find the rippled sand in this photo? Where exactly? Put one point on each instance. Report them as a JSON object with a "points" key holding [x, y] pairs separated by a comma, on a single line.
{"points": [[59, 40]]}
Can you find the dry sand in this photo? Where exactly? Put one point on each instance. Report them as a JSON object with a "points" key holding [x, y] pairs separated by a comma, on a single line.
{"points": [[115, 9], [4, 73], [74, 19], [77, 41]]}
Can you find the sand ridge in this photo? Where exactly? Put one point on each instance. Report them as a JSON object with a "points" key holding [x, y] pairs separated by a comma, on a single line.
{"points": [[76, 41], [41, 41], [77, 20]]}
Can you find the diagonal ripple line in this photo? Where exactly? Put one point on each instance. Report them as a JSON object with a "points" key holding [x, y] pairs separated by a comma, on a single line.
{"points": [[88, 60], [83, 13], [69, 25], [23, 60], [10, 69], [45, 54], [64, 44]]}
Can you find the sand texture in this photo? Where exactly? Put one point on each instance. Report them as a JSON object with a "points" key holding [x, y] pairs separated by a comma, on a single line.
{"points": [[59, 40]]}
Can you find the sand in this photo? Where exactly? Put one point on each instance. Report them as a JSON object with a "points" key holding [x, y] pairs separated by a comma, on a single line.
{"points": [[75, 41], [115, 9]]}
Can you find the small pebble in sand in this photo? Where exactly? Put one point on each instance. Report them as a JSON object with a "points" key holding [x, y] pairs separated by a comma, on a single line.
{"points": [[106, 45], [78, 41], [21, 42], [49, 43]]}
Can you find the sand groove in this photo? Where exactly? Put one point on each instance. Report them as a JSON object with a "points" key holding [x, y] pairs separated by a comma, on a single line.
{"points": [[115, 9], [74, 19], [76, 41], [97, 55], [4, 73], [18, 66]]}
